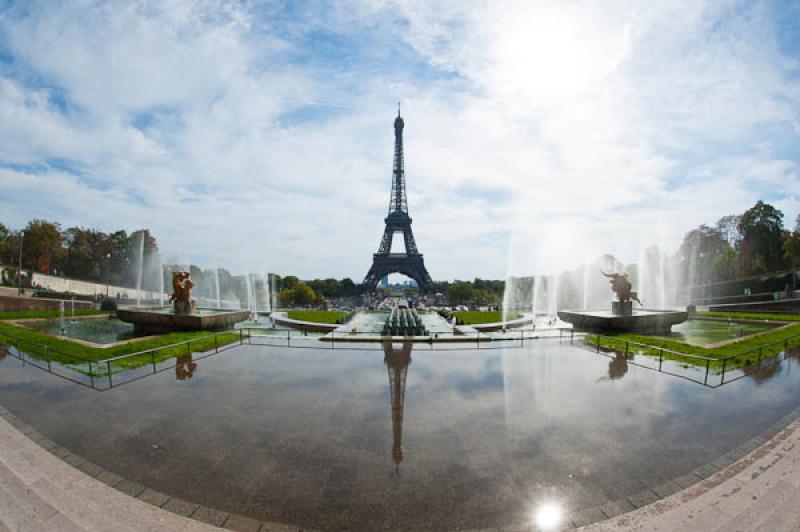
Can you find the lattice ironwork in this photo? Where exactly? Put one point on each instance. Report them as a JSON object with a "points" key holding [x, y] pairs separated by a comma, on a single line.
{"points": [[409, 263]]}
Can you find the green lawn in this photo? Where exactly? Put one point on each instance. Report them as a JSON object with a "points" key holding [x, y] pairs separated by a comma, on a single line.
{"points": [[45, 347], [43, 314], [744, 352], [477, 317], [750, 316], [319, 316]]}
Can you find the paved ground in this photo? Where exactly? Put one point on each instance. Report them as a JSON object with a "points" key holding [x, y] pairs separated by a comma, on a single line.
{"points": [[39, 491], [759, 492]]}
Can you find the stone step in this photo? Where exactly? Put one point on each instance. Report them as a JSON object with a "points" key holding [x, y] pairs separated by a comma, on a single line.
{"points": [[788, 512], [759, 514], [59, 487], [80, 498], [29, 503], [16, 514]]}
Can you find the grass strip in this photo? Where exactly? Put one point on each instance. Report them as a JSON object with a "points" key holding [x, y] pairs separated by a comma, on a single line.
{"points": [[320, 316], [45, 347], [45, 314], [479, 317], [767, 316], [739, 354]]}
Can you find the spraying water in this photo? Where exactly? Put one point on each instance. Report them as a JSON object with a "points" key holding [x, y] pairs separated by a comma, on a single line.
{"points": [[662, 266], [216, 284], [248, 292], [268, 288], [160, 282], [537, 285], [552, 295], [141, 271], [72, 302], [273, 294], [585, 287], [61, 324]]}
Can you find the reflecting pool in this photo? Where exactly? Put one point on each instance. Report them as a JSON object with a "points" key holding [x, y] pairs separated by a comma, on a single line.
{"points": [[96, 330], [707, 332], [400, 436]]}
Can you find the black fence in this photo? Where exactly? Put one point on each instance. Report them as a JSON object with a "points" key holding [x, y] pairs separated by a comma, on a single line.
{"points": [[109, 372], [672, 362]]}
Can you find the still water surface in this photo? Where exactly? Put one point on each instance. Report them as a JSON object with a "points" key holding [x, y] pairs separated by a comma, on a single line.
{"points": [[400, 438], [97, 330]]}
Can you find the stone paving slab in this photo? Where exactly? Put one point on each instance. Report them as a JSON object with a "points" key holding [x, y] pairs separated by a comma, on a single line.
{"points": [[39, 491], [759, 492]]}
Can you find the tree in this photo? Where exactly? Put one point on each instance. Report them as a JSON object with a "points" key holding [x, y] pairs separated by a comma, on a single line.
{"points": [[791, 248], [761, 228], [728, 226], [460, 292], [290, 282], [286, 297], [43, 248], [304, 294], [349, 288], [705, 255], [5, 245]]}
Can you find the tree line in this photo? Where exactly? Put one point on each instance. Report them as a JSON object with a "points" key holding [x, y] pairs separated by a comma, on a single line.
{"points": [[736, 246], [740, 245], [77, 252]]}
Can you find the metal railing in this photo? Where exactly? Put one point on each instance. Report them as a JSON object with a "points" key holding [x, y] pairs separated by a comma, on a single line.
{"points": [[725, 364], [514, 333], [477, 340], [100, 373]]}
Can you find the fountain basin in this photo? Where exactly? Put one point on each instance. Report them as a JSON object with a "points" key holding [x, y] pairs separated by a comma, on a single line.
{"points": [[156, 320], [640, 321]]}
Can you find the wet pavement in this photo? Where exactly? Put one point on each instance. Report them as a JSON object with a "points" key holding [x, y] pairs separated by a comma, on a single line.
{"points": [[403, 439]]}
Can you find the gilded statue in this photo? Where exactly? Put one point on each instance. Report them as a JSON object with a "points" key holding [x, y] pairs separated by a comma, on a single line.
{"points": [[182, 292]]}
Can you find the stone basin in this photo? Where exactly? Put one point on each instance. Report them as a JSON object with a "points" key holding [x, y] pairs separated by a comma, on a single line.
{"points": [[156, 320], [640, 321]]}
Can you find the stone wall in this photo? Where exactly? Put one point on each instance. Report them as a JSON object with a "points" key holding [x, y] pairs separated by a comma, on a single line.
{"points": [[63, 284], [20, 304], [780, 305]]}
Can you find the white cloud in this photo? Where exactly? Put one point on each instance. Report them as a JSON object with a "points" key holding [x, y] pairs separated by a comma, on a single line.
{"points": [[560, 130]]}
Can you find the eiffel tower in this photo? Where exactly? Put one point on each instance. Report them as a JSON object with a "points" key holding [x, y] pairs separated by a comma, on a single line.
{"points": [[410, 262], [397, 361]]}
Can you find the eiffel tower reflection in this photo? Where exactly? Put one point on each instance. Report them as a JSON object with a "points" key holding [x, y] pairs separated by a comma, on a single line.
{"points": [[397, 361]]}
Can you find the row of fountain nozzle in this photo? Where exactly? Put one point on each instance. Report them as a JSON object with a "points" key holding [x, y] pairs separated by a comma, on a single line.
{"points": [[404, 322]]}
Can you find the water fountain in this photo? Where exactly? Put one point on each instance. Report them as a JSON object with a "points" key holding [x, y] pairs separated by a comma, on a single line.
{"points": [[268, 288], [404, 322], [61, 324], [216, 284], [248, 294], [623, 317], [160, 282], [183, 316], [141, 271]]}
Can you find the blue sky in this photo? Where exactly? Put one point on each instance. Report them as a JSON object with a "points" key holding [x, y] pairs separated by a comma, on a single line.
{"points": [[257, 135]]}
